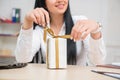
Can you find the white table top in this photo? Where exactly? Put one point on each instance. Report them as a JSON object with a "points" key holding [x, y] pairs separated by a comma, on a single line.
{"points": [[40, 72]]}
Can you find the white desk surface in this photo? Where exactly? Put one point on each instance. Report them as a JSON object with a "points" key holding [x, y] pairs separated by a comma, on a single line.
{"points": [[40, 72]]}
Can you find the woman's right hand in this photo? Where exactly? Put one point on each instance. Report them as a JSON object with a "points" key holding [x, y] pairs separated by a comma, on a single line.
{"points": [[39, 15]]}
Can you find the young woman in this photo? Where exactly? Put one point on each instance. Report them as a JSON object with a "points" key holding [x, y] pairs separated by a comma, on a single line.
{"points": [[57, 14]]}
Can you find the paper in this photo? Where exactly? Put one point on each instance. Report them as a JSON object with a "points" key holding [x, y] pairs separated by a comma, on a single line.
{"points": [[116, 64], [113, 75]]}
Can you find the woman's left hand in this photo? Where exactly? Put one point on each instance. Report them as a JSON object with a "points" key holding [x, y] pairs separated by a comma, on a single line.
{"points": [[83, 28]]}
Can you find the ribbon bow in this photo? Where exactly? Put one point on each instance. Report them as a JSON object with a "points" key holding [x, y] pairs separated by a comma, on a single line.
{"points": [[50, 31]]}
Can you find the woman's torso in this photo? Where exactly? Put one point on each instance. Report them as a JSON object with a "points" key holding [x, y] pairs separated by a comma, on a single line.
{"points": [[82, 46]]}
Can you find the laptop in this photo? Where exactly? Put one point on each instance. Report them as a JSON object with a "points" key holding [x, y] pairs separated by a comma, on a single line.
{"points": [[9, 62]]}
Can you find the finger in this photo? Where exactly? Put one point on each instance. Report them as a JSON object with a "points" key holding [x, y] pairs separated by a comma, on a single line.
{"points": [[42, 16], [73, 32], [80, 25], [47, 18], [30, 16], [37, 16], [86, 33], [34, 18], [80, 32]]}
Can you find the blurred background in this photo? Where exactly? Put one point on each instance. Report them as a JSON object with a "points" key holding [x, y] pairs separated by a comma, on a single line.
{"points": [[106, 12]]}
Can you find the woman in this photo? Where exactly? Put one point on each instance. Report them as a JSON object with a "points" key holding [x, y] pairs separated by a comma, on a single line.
{"points": [[57, 14]]}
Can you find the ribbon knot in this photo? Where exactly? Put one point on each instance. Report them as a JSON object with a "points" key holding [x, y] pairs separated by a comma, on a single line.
{"points": [[50, 31]]}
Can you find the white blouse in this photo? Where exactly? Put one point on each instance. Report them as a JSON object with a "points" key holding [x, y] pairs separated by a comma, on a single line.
{"points": [[89, 51]]}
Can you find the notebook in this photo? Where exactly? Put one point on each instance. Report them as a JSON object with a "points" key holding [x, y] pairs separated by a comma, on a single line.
{"points": [[9, 62], [115, 66], [111, 74]]}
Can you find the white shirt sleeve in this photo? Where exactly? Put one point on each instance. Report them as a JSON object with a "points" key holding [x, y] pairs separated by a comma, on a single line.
{"points": [[97, 51], [27, 45]]}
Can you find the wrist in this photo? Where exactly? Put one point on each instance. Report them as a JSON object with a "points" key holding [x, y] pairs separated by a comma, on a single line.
{"points": [[97, 33], [27, 25], [98, 29], [96, 36]]}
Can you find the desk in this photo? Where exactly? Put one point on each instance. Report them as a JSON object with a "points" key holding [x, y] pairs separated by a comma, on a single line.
{"points": [[40, 72]]}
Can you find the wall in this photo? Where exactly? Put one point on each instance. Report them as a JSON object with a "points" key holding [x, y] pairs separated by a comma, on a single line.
{"points": [[8, 44], [105, 11], [7, 5], [112, 30]]}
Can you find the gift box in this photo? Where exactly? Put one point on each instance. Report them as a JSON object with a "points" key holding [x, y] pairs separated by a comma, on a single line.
{"points": [[56, 53]]}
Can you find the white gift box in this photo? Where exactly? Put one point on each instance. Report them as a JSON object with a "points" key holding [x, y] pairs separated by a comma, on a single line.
{"points": [[56, 53]]}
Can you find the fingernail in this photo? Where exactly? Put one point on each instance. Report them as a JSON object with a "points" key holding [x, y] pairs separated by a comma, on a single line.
{"points": [[71, 38], [74, 40], [82, 38], [43, 25], [40, 24], [48, 24]]}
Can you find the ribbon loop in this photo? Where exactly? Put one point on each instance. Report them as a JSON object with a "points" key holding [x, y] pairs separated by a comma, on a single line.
{"points": [[50, 31]]}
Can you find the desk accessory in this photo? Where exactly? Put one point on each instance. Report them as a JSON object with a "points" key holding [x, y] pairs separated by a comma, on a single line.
{"points": [[9, 62], [110, 74], [13, 66]]}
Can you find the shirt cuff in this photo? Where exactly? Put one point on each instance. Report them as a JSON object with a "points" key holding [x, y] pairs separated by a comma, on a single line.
{"points": [[96, 41], [26, 32]]}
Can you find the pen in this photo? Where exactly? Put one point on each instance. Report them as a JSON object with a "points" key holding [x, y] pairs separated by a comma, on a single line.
{"points": [[110, 74]]}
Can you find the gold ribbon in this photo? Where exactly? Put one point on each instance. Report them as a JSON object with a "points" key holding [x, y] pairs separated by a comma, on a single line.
{"points": [[46, 29], [57, 52]]}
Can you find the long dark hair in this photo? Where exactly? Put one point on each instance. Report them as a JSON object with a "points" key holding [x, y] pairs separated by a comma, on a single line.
{"points": [[71, 45]]}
